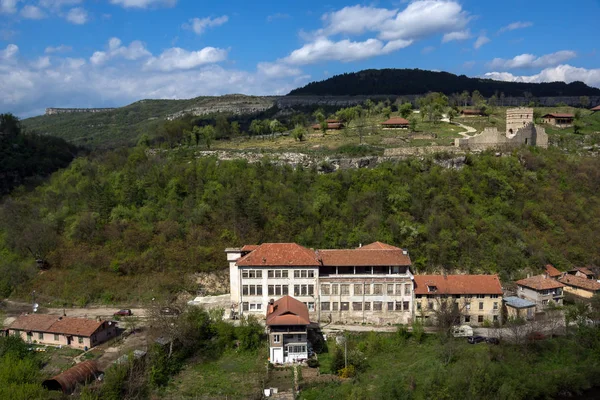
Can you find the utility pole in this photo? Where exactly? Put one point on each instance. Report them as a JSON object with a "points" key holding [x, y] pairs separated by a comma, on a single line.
{"points": [[345, 352]]}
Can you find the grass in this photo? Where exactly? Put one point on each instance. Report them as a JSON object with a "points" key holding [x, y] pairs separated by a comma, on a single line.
{"points": [[233, 376]]}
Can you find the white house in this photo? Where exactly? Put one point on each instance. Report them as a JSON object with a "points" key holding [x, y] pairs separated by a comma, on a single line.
{"points": [[287, 323]]}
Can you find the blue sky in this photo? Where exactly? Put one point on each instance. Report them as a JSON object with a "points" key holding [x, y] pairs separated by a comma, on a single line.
{"points": [[95, 53]]}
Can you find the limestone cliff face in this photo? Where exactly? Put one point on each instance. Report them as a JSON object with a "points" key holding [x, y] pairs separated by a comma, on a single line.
{"points": [[54, 111]]}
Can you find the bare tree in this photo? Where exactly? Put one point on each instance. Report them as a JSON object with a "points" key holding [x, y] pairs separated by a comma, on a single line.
{"points": [[519, 329], [447, 312]]}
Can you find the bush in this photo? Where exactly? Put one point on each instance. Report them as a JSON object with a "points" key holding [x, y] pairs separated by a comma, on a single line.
{"points": [[347, 372], [312, 363]]}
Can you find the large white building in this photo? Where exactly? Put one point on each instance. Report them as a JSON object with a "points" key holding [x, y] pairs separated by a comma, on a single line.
{"points": [[372, 283]]}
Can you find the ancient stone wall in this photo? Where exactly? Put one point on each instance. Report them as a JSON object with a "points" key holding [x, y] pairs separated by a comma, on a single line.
{"points": [[491, 138], [517, 118]]}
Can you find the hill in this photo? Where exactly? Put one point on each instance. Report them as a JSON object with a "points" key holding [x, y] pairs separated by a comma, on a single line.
{"points": [[125, 125], [131, 225], [416, 81]]}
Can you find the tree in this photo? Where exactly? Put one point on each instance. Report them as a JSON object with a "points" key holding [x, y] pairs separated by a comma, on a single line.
{"points": [[451, 114], [276, 127], [319, 115], [577, 127], [9, 125], [208, 135], [235, 128], [369, 106], [256, 127], [222, 127], [464, 96], [298, 133], [584, 101], [413, 124], [387, 112], [518, 328], [477, 99], [447, 312], [405, 110]]}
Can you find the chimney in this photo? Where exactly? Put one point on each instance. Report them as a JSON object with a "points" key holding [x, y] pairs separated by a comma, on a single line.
{"points": [[270, 307], [359, 245], [545, 275]]}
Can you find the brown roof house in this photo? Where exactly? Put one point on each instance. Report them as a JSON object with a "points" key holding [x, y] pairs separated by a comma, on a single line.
{"points": [[583, 272], [55, 330], [552, 271], [469, 112], [579, 286], [396, 123], [542, 290], [287, 323], [560, 120], [332, 124], [597, 108], [478, 297]]}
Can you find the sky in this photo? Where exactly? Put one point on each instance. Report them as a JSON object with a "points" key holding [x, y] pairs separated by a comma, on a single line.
{"points": [[107, 53]]}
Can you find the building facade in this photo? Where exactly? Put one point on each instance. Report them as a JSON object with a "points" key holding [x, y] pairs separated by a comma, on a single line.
{"points": [[559, 120], [287, 323], [370, 284], [517, 118], [474, 299], [541, 290], [580, 286]]}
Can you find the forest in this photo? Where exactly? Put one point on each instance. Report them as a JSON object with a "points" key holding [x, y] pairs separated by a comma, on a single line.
{"points": [[134, 224], [416, 81]]}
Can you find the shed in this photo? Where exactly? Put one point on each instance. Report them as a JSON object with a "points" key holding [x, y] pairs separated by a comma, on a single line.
{"points": [[396, 122], [559, 119], [519, 308], [67, 381]]}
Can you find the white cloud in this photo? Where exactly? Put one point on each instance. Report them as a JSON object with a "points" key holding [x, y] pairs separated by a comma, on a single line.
{"points": [[134, 51], [531, 61], [144, 3], [458, 35], [180, 59], [9, 52], [56, 4], [355, 20], [199, 25], [277, 69], [58, 49], [77, 16], [323, 49], [565, 73], [277, 16], [515, 25], [32, 12], [8, 6], [481, 40], [41, 63]]}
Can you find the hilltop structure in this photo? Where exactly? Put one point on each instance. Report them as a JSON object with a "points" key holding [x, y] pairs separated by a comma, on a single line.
{"points": [[520, 130]]}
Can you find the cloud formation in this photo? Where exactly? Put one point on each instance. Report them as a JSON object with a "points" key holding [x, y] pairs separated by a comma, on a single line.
{"points": [[199, 25], [180, 59], [515, 25], [531, 61], [134, 51], [58, 49], [481, 40], [565, 73], [458, 35], [8, 6], [32, 12], [77, 16], [144, 3]]}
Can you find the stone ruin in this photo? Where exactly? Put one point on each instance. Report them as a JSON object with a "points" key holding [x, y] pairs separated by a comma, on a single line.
{"points": [[520, 130]]}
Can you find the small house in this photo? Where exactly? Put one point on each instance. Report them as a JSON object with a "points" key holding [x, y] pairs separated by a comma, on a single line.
{"points": [[55, 330], [519, 308], [287, 324], [552, 271], [579, 286], [469, 112], [541, 290], [396, 123], [332, 124], [583, 272], [597, 108], [559, 120]]}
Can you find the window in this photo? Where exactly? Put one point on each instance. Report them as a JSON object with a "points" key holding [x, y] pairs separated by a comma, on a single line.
{"points": [[407, 290], [276, 338], [481, 305], [56, 338], [480, 318], [377, 288], [544, 302], [40, 336], [419, 306], [398, 306], [467, 318], [457, 296], [418, 296], [494, 296], [432, 288], [270, 274], [325, 289], [367, 306], [495, 318], [245, 290], [367, 288], [271, 290], [345, 289], [325, 306], [245, 306], [252, 273], [405, 306], [80, 339], [311, 306], [296, 273], [285, 290], [390, 289], [311, 290], [296, 290], [278, 290], [358, 289], [277, 273], [495, 305], [344, 306], [303, 290], [467, 306], [390, 306], [480, 296], [430, 305], [334, 289], [303, 273], [377, 306], [356, 306], [334, 306], [311, 273]]}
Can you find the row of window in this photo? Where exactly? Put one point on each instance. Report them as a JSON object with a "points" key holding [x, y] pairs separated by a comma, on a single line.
{"points": [[41, 336], [277, 273], [432, 306], [246, 306], [458, 296], [278, 290], [252, 290], [479, 318], [366, 288], [366, 306]]}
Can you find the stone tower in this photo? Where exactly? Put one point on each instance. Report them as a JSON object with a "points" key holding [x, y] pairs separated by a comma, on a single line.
{"points": [[517, 118]]}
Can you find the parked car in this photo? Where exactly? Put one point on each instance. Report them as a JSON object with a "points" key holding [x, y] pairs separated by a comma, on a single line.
{"points": [[493, 340], [533, 336], [169, 311], [126, 312], [475, 339]]}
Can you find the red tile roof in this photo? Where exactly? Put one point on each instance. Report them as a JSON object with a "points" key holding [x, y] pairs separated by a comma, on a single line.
{"points": [[396, 121], [364, 257], [552, 272], [330, 125], [558, 115], [540, 282], [56, 324], [379, 246], [597, 108], [579, 282], [583, 270], [458, 284], [280, 254], [470, 112], [249, 247], [287, 311]]}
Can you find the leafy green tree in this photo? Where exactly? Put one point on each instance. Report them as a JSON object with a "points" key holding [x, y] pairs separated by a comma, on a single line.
{"points": [[299, 133], [235, 128], [387, 112], [256, 127], [208, 135], [222, 127], [413, 124], [477, 99], [452, 114], [9, 125], [584, 101], [405, 110]]}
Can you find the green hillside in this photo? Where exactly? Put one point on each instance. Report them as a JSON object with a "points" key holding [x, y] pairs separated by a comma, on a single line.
{"points": [[125, 226]]}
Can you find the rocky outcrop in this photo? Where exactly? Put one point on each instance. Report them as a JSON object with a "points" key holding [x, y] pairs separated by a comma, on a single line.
{"points": [[54, 111], [229, 104]]}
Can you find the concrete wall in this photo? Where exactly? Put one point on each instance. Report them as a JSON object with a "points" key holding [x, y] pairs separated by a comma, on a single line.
{"points": [[579, 292], [62, 340]]}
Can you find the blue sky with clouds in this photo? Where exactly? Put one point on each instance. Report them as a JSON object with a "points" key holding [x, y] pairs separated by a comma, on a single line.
{"points": [[94, 53]]}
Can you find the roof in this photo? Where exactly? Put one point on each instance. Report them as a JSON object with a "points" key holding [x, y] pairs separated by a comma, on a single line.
{"points": [[364, 257], [472, 112], [597, 108], [579, 282], [458, 284], [68, 380], [396, 121], [56, 324], [559, 115], [330, 125], [552, 272], [249, 247], [379, 246], [333, 121], [280, 254], [517, 302], [539, 282], [583, 270], [287, 311]]}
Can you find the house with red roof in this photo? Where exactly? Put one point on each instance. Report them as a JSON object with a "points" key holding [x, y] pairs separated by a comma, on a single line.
{"points": [[541, 290], [396, 123], [560, 120], [477, 297], [55, 330], [287, 321], [580, 286], [583, 272], [552, 271]]}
